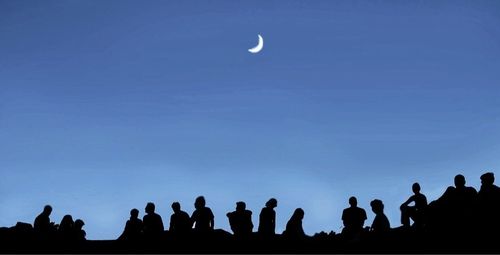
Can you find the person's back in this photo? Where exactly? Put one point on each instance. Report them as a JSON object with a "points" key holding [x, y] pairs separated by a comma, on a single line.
{"points": [[66, 227], [180, 222], [460, 196], [153, 224], [380, 222], [457, 206], [267, 218], [133, 227], [353, 217], [294, 229]]}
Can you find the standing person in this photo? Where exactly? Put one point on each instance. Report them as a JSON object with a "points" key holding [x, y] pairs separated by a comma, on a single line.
{"points": [[153, 224], [267, 218], [202, 218], [180, 222], [133, 227], [415, 212]]}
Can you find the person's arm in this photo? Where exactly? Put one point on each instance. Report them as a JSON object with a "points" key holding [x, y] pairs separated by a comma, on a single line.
{"points": [[274, 222], [364, 218], [193, 219], [301, 230], [171, 227], [124, 233], [344, 218], [212, 222], [411, 199]]}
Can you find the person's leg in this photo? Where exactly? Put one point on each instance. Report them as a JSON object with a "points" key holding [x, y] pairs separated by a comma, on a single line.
{"points": [[405, 217]]}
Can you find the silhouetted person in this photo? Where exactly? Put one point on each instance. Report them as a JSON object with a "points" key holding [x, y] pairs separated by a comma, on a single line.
{"points": [[460, 195], [294, 228], [180, 222], [133, 227], [66, 227], [79, 233], [202, 218], [353, 218], [42, 224], [380, 222], [416, 212], [457, 205], [489, 204], [241, 220], [152, 223], [267, 218]]}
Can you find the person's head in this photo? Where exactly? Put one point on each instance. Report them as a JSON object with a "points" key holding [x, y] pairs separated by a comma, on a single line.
{"points": [[487, 178], [150, 208], [67, 220], [353, 201], [134, 213], [272, 203], [377, 206], [298, 214], [79, 224], [459, 181], [176, 207], [415, 188], [47, 210], [241, 206], [199, 202]]}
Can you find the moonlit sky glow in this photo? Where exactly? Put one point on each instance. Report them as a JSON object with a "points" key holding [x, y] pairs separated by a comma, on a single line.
{"points": [[107, 105]]}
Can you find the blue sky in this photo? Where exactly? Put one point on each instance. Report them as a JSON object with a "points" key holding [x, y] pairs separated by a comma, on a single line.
{"points": [[107, 105]]}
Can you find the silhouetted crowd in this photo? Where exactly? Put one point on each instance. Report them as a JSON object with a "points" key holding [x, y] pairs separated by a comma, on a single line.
{"points": [[67, 230], [461, 213]]}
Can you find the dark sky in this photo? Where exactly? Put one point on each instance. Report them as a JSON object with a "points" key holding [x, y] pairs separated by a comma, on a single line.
{"points": [[107, 105]]}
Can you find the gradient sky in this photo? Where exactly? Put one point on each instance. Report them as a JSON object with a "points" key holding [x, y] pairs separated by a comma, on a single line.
{"points": [[107, 105]]}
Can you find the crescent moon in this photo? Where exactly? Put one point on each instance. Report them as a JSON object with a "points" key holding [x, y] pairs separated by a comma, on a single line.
{"points": [[259, 46]]}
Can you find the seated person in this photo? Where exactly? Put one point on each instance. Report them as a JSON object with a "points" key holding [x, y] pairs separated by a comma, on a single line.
{"points": [[267, 218], [202, 218], [353, 218], [380, 223], [152, 222], [416, 211], [133, 227], [42, 224], [180, 222], [241, 220], [294, 228]]}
